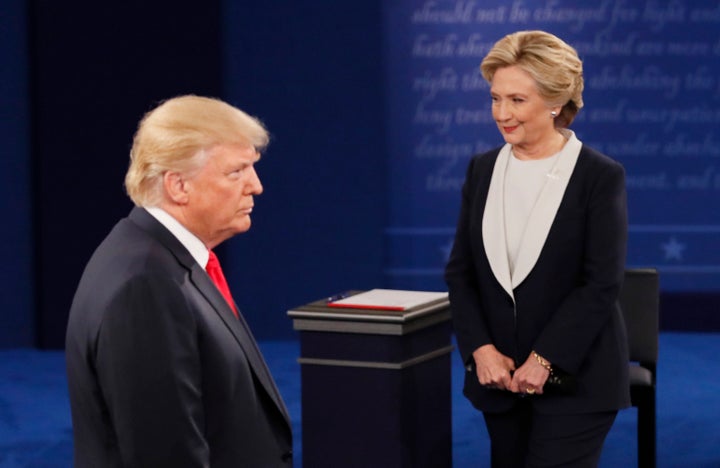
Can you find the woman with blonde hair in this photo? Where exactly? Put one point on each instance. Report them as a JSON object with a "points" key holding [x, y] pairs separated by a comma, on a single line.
{"points": [[537, 264]]}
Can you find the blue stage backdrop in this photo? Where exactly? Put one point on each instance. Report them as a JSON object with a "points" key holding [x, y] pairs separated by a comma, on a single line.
{"points": [[17, 322], [652, 101], [312, 72]]}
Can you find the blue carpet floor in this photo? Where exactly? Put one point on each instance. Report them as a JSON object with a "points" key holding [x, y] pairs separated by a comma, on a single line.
{"points": [[35, 430]]}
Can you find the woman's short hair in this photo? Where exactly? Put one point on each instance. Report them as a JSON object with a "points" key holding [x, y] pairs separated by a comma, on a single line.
{"points": [[174, 137], [553, 64]]}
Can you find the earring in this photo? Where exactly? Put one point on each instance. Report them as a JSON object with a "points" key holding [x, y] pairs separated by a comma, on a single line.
{"points": [[553, 114]]}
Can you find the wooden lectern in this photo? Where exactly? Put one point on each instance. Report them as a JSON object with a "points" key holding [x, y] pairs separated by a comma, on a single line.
{"points": [[375, 385]]}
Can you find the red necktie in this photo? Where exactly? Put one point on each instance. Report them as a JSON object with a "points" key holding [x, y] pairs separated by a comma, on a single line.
{"points": [[216, 274]]}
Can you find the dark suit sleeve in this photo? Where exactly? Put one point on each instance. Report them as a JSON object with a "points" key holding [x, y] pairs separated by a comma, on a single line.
{"points": [[461, 276], [149, 370], [571, 332]]}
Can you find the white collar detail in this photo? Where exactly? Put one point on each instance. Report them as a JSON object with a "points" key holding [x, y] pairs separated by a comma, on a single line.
{"points": [[194, 245], [539, 222]]}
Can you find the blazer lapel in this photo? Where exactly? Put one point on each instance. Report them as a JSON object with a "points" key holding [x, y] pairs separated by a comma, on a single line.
{"points": [[207, 288], [545, 209], [240, 330], [493, 223]]}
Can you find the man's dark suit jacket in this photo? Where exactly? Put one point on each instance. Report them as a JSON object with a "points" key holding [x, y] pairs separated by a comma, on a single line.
{"points": [[562, 304], [161, 373]]}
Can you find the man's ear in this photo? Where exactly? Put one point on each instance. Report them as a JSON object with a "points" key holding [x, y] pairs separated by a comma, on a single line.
{"points": [[175, 187]]}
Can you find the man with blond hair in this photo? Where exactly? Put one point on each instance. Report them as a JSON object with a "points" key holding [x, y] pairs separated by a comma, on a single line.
{"points": [[163, 370]]}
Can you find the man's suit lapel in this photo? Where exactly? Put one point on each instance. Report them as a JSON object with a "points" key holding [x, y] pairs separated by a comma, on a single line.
{"points": [[240, 330], [207, 288]]}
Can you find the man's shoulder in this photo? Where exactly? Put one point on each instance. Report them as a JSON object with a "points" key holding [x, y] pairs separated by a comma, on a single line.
{"points": [[129, 249]]}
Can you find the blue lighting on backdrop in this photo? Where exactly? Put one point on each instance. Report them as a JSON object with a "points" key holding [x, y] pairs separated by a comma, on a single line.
{"points": [[652, 101]]}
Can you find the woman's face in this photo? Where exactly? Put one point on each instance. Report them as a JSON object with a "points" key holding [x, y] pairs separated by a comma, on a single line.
{"points": [[521, 114]]}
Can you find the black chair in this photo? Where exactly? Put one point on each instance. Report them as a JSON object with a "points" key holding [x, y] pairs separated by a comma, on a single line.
{"points": [[639, 301]]}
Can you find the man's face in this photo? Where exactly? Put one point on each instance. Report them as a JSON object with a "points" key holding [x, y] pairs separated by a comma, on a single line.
{"points": [[220, 195]]}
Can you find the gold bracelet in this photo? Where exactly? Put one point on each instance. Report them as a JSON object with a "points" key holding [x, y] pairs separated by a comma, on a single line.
{"points": [[543, 362]]}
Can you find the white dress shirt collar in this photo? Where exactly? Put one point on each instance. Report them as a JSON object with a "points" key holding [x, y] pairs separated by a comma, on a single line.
{"points": [[194, 245]]}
